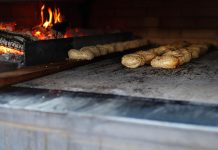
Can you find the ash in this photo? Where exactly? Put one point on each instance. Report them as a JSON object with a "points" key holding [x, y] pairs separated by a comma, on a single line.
{"points": [[12, 58]]}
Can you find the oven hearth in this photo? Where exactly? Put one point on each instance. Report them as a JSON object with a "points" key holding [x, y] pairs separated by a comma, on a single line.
{"points": [[196, 81]]}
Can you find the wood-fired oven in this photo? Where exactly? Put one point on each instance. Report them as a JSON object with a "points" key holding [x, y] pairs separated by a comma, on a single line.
{"points": [[50, 100]]}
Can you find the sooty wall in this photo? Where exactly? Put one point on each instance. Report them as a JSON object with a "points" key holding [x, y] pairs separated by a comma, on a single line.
{"points": [[150, 18]]}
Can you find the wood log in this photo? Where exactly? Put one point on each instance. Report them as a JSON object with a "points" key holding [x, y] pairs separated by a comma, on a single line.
{"points": [[14, 40], [28, 73]]}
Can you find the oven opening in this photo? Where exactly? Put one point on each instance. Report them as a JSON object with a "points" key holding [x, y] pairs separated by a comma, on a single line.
{"points": [[108, 74]]}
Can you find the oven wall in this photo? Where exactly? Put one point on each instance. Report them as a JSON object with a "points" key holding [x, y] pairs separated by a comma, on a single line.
{"points": [[175, 19], [23, 13], [158, 18]]}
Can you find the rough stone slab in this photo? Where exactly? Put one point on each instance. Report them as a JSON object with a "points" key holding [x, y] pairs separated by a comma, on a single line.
{"points": [[196, 81]]}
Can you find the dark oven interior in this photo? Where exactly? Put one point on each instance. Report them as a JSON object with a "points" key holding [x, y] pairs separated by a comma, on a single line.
{"points": [[149, 18], [156, 20]]}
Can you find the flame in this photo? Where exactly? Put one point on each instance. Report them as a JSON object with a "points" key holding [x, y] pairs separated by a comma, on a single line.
{"points": [[48, 23], [42, 31], [54, 17], [42, 14], [57, 16], [7, 50]]}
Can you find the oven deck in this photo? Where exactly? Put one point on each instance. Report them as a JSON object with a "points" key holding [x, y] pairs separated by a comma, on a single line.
{"points": [[105, 106], [197, 79]]}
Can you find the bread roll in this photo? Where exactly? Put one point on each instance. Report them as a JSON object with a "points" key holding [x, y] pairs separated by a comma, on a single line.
{"points": [[166, 61]]}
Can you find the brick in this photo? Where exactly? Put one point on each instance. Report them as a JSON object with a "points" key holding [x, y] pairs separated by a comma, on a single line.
{"points": [[200, 33], [163, 11], [151, 22], [200, 11], [103, 13], [177, 22], [207, 22]]}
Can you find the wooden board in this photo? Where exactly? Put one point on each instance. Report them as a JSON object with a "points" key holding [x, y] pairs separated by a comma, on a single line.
{"points": [[28, 73], [31, 72]]}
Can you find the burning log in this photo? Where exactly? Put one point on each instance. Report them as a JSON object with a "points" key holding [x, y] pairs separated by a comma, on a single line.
{"points": [[12, 46], [61, 27], [53, 27], [46, 34], [14, 40]]}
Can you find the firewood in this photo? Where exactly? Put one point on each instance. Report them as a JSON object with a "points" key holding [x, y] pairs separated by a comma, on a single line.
{"points": [[14, 40]]}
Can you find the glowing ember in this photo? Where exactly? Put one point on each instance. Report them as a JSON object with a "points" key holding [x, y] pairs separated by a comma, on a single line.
{"points": [[38, 33], [4, 50], [7, 26]]}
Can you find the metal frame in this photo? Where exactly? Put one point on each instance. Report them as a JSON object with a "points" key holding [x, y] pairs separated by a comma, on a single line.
{"points": [[51, 119]]}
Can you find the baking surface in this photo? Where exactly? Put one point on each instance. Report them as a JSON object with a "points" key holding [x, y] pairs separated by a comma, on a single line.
{"points": [[196, 81]]}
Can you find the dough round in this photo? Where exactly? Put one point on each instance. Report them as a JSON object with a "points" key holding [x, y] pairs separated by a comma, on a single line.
{"points": [[147, 56], [110, 48], [133, 44], [87, 54], [102, 50], [168, 62], [93, 49], [195, 51], [183, 55], [187, 56], [132, 60], [161, 50], [118, 47], [75, 54]]}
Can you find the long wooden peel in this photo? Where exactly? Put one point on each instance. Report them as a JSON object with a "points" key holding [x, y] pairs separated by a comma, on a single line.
{"points": [[28, 73], [31, 72]]}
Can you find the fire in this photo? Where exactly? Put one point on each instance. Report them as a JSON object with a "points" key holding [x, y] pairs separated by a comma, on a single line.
{"points": [[4, 50], [48, 23], [57, 16], [54, 17], [7, 26], [52, 26], [42, 14], [38, 33], [48, 20]]}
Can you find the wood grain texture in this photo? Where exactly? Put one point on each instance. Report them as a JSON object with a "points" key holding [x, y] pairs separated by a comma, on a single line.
{"points": [[28, 73]]}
